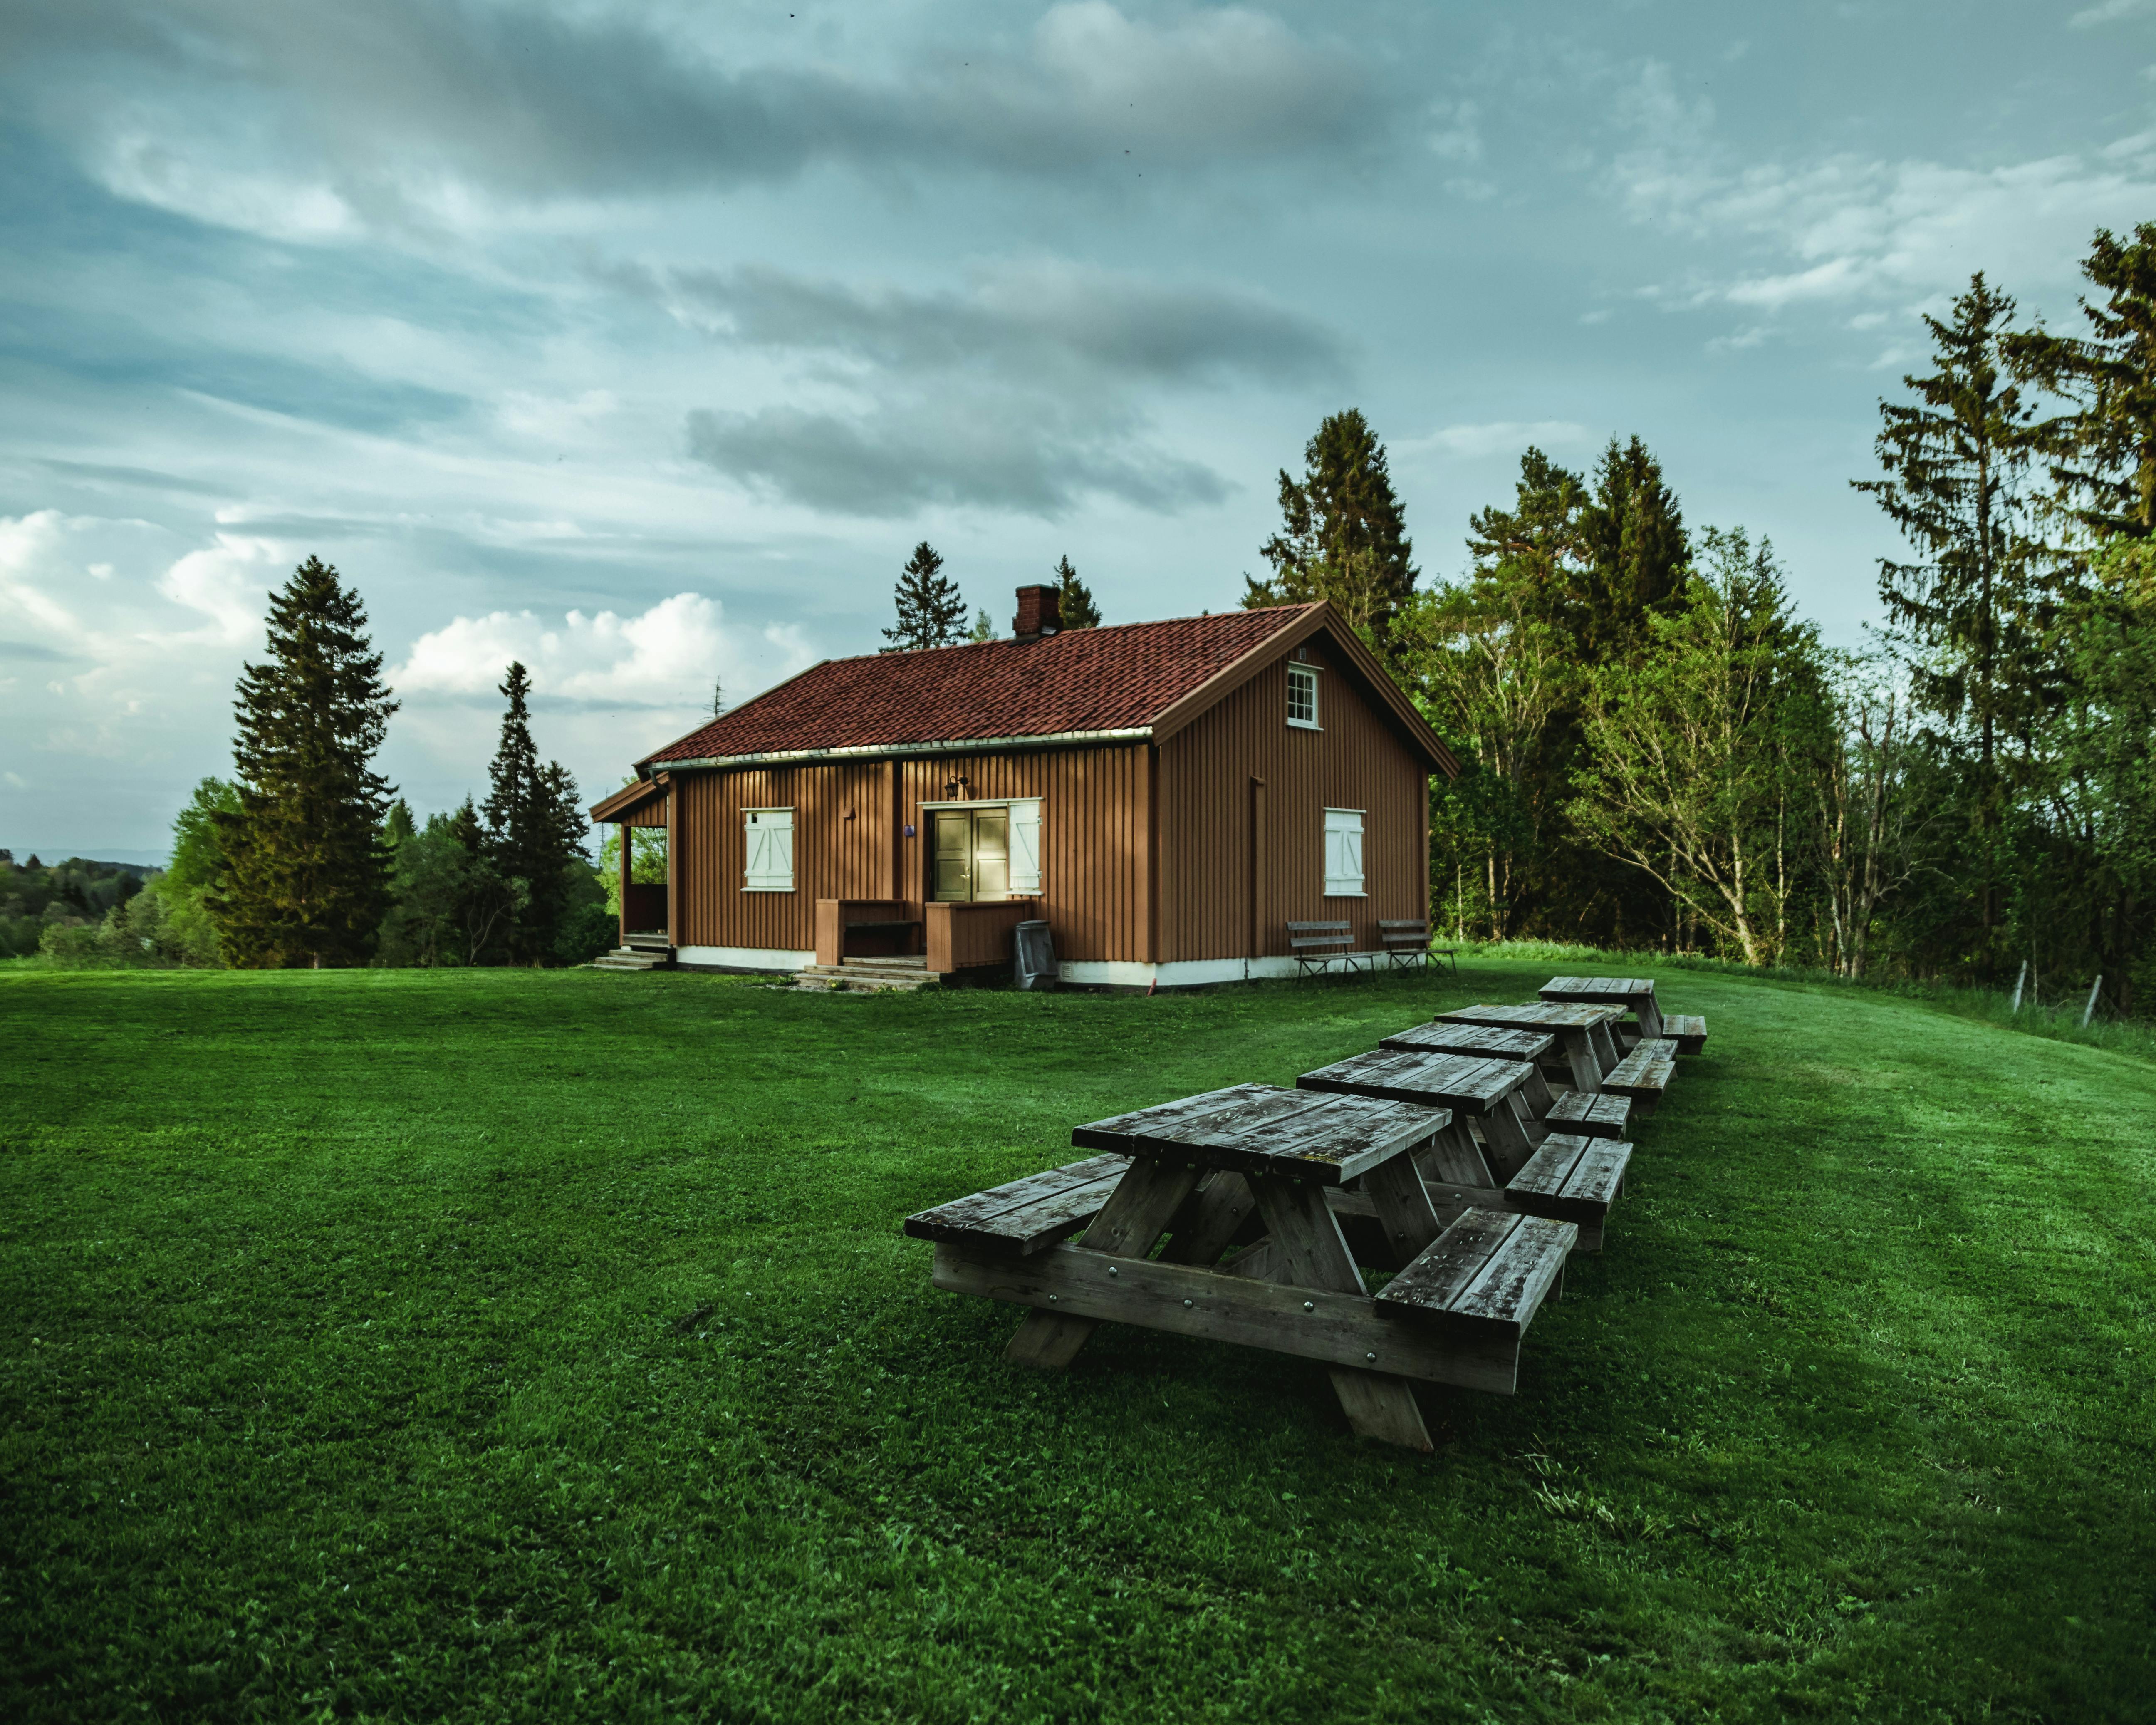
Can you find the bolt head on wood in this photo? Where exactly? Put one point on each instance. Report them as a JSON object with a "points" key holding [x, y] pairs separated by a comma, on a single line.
{"points": [[1309, 1306]]}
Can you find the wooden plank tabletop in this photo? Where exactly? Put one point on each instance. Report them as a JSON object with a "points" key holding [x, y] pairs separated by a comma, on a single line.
{"points": [[1544, 1015], [1596, 988], [1473, 1084], [1258, 1128], [1443, 1038]]}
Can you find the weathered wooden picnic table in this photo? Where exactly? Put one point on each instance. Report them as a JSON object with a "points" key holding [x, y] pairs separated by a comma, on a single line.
{"points": [[1636, 994], [1474, 1087], [1582, 1030], [1531, 1047], [1567, 1177], [1214, 1170]]}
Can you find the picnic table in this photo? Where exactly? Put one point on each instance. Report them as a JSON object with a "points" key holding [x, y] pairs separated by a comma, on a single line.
{"points": [[1582, 1030], [1266, 1165], [1530, 1047], [1473, 1087], [1636, 994]]}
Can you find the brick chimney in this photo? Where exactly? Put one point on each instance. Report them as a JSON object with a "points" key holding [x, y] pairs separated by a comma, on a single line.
{"points": [[1039, 613]]}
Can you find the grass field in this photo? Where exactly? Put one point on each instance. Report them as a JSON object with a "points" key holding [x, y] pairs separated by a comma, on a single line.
{"points": [[500, 1346]]}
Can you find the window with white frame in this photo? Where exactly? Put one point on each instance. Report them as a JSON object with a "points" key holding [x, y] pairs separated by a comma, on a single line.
{"points": [[767, 836], [1343, 853], [1302, 696]]}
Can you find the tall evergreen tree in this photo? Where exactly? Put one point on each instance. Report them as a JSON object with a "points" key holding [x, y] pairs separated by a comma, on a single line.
{"points": [[1966, 619], [2103, 454], [307, 877], [1635, 547], [931, 614], [535, 827], [1078, 609], [1343, 537]]}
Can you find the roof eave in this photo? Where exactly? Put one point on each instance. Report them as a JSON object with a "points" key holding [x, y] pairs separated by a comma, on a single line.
{"points": [[888, 751]]}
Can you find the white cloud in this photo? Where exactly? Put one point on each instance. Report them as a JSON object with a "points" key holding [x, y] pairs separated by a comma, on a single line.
{"points": [[2110, 12], [664, 658], [1493, 437]]}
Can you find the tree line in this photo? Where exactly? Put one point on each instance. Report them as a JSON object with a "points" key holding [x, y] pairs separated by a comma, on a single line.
{"points": [[307, 857], [1661, 752]]}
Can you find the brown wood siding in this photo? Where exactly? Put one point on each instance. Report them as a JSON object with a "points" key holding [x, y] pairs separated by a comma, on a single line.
{"points": [[1232, 852], [1094, 827]]}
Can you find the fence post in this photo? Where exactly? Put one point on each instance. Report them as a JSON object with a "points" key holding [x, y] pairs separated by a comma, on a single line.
{"points": [[2014, 1010], [2088, 1011]]}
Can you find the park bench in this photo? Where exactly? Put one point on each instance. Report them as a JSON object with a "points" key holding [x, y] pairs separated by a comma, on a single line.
{"points": [[1644, 1074], [1688, 1029], [1486, 1092], [1408, 942], [1583, 1033], [1635, 994], [1210, 1170], [1320, 946]]}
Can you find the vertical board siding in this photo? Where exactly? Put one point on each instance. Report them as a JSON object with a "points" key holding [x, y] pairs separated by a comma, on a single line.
{"points": [[1093, 842], [1230, 854]]}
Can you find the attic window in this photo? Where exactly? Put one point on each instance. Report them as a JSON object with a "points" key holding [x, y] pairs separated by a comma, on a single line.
{"points": [[1302, 696]]}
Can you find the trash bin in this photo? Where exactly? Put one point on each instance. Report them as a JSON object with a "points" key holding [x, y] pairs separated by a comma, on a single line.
{"points": [[1035, 966]]}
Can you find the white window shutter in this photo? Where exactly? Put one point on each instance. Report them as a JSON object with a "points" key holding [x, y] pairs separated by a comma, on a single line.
{"points": [[767, 846], [1024, 848], [1343, 853]]}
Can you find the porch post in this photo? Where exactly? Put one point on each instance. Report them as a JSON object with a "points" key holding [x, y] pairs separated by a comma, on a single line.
{"points": [[673, 861], [627, 844]]}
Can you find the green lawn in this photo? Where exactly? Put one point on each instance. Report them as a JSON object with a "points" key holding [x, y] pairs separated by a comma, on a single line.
{"points": [[495, 1346]]}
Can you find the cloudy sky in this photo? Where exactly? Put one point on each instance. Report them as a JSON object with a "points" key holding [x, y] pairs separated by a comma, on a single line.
{"points": [[642, 342]]}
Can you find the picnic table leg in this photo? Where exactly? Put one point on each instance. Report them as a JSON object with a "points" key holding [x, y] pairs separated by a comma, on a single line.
{"points": [[1210, 1224], [1453, 1159], [1308, 1250], [1144, 1202], [1536, 1091], [1408, 1219], [1648, 1011], [1510, 1146], [1579, 1056], [1605, 1045]]}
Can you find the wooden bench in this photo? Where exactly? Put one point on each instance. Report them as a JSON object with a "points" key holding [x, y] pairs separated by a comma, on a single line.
{"points": [[1688, 1030], [1408, 942], [1644, 1074], [1320, 946], [1210, 1170], [1596, 1115]]}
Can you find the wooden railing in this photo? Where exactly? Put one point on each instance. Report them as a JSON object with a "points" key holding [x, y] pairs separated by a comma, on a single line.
{"points": [[962, 935]]}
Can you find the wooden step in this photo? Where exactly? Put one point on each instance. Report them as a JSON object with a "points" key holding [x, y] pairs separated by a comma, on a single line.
{"points": [[833, 978]]}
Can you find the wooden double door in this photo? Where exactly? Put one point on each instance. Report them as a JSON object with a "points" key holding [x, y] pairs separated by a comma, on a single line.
{"points": [[972, 858]]}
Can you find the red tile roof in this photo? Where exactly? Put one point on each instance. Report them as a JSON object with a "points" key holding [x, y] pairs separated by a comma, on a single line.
{"points": [[1085, 680]]}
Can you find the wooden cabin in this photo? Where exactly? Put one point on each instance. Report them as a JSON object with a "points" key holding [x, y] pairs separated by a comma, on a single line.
{"points": [[1168, 796]]}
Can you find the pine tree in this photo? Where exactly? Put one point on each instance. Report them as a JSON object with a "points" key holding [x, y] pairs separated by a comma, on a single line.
{"points": [[1633, 537], [1343, 537], [718, 697], [535, 827], [931, 614], [1965, 619], [2103, 454], [1078, 609], [306, 878]]}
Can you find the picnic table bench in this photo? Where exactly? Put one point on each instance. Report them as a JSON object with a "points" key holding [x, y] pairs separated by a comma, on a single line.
{"points": [[1643, 1074], [1583, 1033], [1473, 1087], [1636, 994], [1688, 1029], [1200, 1170]]}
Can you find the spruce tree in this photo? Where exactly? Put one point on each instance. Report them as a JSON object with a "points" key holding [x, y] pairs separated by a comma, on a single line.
{"points": [[1343, 537], [2103, 454], [931, 614], [1078, 609], [1633, 537], [307, 877], [535, 828]]}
